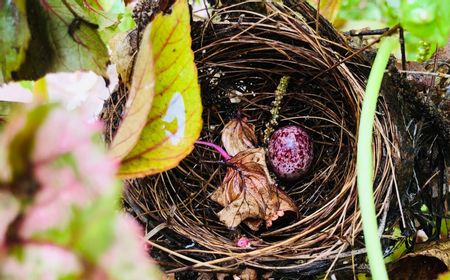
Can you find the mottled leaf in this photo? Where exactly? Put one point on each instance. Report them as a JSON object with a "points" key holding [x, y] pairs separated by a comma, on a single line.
{"points": [[17, 143], [92, 241], [41, 261], [174, 122], [61, 41], [139, 100], [14, 37], [238, 135], [60, 219], [9, 209], [249, 194]]}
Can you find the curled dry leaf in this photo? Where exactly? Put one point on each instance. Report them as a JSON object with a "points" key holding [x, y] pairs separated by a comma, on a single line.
{"points": [[122, 55], [247, 274], [238, 135], [249, 194], [426, 262]]}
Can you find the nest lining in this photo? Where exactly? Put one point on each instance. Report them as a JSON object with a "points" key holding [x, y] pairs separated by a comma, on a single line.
{"points": [[242, 54]]}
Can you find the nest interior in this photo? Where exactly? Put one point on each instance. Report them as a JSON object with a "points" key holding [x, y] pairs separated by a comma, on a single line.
{"points": [[241, 56]]}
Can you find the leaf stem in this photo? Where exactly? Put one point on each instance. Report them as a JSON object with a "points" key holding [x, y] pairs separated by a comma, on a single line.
{"points": [[219, 149], [364, 163]]}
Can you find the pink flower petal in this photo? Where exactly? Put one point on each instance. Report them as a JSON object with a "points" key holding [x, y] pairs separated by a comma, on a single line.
{"points": [[243, 242]]}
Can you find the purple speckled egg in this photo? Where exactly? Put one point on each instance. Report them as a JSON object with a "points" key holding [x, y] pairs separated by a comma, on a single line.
{"points": [[290, 152]]}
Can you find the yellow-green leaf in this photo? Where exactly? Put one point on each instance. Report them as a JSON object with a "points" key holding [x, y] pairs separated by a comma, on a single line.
{"points": [[139, 100], [174, 122], [328, 8]]}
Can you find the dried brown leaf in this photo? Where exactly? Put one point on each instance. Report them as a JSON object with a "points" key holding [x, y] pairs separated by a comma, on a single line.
{"points": [[247, 274], [122, 55], [238, 135], [249, 194], [427, 262]]}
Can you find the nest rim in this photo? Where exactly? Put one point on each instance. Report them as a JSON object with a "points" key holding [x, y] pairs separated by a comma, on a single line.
{"points": [[216, 248]]}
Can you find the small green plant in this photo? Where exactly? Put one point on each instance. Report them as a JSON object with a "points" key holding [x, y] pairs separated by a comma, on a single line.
{"points": [[428, 21]]}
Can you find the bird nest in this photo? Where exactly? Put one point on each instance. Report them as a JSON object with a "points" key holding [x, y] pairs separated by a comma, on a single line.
{"points": [[241, 57]]}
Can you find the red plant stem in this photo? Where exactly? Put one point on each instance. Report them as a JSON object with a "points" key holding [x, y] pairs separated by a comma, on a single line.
{"points": [[219, 149]]}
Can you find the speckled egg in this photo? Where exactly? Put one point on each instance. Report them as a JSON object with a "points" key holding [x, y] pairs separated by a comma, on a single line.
{"points": [[290, 152]]}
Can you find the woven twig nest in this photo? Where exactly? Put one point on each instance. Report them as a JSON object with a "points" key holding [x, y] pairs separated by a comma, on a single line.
{"points": [[241, 56]]}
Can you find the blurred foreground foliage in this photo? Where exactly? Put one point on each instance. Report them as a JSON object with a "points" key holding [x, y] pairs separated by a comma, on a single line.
{"points": [[59, 202]]}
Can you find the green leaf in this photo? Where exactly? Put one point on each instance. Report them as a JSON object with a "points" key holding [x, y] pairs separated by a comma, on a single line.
{"points": [[90, 230], [426, 19], [126, 21], [125, 24], [14, 38], [421, 21], [352, 10], [391, 11], [110, 16], [174, 122], [61, 41], [104, 13]]}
